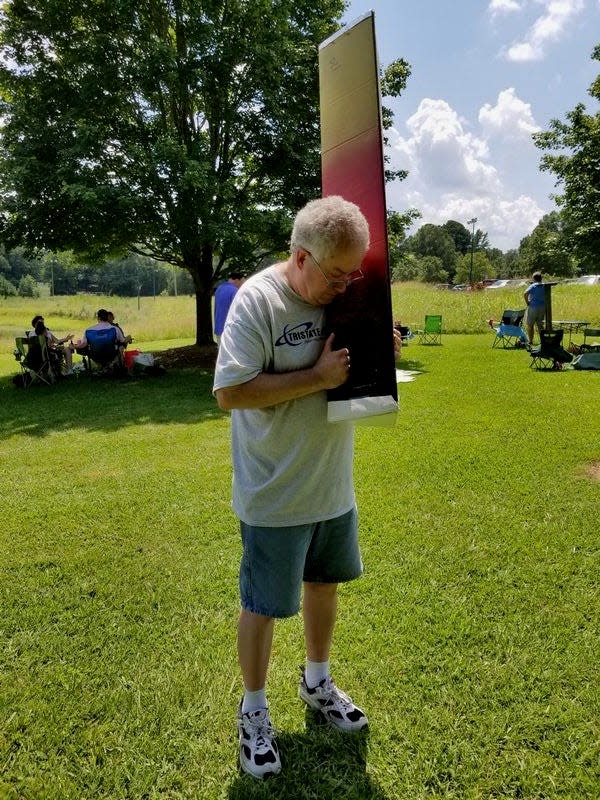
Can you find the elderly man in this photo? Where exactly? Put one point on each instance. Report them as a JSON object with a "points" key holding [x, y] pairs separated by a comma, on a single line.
{"points": [[292, 490]]}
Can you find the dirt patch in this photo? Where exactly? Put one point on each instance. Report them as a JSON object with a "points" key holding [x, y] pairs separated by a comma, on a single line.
{"points": [[192, 355], [592, 471]]}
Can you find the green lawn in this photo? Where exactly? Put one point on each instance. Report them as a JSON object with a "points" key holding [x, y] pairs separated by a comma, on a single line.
{"points": [[472, 640]]}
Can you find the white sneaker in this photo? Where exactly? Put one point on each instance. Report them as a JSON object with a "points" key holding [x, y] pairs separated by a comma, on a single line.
{"points": [[259, 754], [333, 705]]}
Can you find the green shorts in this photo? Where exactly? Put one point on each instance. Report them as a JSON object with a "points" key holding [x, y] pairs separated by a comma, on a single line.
{"points": [[276, 561]]}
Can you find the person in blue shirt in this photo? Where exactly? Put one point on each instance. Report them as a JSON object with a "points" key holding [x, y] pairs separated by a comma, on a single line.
{"points": [[224, 294], [535, 298]]}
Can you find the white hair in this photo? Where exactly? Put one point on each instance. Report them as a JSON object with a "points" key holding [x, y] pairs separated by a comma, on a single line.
{"points": [[328, 225]]}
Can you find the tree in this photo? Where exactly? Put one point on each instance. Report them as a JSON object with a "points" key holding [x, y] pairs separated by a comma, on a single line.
{"points": [[431, 270], [171, 128], [460, 235], [397, 225], [546, 249], [7, 289], [28, 287], [432, 240], [577, 170], [482, 267]]}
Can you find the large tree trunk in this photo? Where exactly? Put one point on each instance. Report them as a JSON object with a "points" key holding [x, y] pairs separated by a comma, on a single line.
{"points": [[201, 270]]}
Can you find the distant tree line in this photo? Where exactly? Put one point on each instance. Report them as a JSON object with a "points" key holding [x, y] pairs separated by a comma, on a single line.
{"points": [[60, 273], [449, 253], [433, 254]]}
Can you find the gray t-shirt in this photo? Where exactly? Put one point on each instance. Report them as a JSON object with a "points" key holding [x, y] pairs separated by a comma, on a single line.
{"points": [[290, 466]]}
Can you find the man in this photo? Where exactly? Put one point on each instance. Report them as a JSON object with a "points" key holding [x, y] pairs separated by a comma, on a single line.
{"points": [[535, 299], [103, 324], [224, 294], [292, 487]]}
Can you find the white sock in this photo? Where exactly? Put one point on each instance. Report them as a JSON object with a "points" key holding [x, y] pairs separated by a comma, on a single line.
{"points": [[254, 700], [315, 672]]}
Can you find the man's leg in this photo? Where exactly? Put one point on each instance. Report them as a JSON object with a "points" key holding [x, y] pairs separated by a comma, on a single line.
{"points": [[255, 637], [259, 754], [529, 326], [319, 611], [321, 694]]}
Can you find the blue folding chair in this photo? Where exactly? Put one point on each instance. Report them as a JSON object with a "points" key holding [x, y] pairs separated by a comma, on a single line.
{"points": [[102, 353], [510, 334]]}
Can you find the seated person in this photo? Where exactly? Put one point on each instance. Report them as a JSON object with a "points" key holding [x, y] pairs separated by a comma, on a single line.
{"points": [[102, 325], [103, 343], [54, 343], [111, 319]]}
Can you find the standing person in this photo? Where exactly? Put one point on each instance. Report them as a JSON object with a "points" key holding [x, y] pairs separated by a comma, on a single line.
{"points": [[535, 298], [224, 294], [292, 487]]}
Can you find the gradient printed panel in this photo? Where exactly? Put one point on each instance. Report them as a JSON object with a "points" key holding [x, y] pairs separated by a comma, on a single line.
{"points": [[352, 166]]}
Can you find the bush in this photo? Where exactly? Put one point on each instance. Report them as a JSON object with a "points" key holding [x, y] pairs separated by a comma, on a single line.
{"points": [[6, 287], [28, 287]]}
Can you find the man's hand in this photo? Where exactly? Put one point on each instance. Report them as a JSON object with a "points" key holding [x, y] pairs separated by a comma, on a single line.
{"points": [[333, 367]]}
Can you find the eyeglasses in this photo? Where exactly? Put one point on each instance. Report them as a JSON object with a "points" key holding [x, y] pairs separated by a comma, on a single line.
{"points": [[338, 283]]}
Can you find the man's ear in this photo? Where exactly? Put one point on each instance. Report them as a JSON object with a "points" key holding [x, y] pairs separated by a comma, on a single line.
{"points": [[301, 256]]}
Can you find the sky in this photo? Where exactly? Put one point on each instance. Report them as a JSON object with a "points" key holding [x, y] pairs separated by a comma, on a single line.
{"points": [[486, 74]]}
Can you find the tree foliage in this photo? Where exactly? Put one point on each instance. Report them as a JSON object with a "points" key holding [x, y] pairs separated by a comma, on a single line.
{"points": [[482, 268], [175, 129], [577, 169], [547, 247], [460, 235], [432, 240]]}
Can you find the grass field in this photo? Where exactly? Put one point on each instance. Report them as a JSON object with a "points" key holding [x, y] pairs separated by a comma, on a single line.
{"points": [[472, 640]]}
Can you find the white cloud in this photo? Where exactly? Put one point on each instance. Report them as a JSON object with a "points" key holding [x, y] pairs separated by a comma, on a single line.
{"points": [[451, 174], [444, 152], [503, 6], [511, 117], [547, 28]]}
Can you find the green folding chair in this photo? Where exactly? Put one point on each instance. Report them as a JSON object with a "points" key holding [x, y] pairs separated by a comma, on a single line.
{"points": [[432, 332]]}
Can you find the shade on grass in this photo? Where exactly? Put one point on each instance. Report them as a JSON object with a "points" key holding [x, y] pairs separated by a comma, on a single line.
{"points": [[471, 640]]}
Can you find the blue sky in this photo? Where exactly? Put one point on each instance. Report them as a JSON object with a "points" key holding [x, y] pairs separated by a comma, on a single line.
{"points": [[485, 75]]}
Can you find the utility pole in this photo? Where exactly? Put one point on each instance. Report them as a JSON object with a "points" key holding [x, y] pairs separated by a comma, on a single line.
{"points": [[472, 222]]}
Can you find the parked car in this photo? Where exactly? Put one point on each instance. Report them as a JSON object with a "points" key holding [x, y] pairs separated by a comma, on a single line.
{"points": [[589, 280], [503, 283]]}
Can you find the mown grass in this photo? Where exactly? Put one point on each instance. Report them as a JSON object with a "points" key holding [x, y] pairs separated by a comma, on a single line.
{"points": [[472, 640]]}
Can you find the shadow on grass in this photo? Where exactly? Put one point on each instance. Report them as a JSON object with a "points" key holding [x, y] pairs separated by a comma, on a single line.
{"points": [[407, 362], [91, 404], [318, 763]]}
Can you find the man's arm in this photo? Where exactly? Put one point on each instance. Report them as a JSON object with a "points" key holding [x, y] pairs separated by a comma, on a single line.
{"points": [[268, 389]]}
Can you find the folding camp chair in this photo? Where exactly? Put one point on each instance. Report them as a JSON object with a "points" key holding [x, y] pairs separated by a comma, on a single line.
{"points": [[432, 332], [591, 333], [550, 354], [34, 359], [509, 333], [102, 354]]}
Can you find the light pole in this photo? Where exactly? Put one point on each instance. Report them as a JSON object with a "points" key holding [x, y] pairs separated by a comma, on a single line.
{"points": [[472, 222]]}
